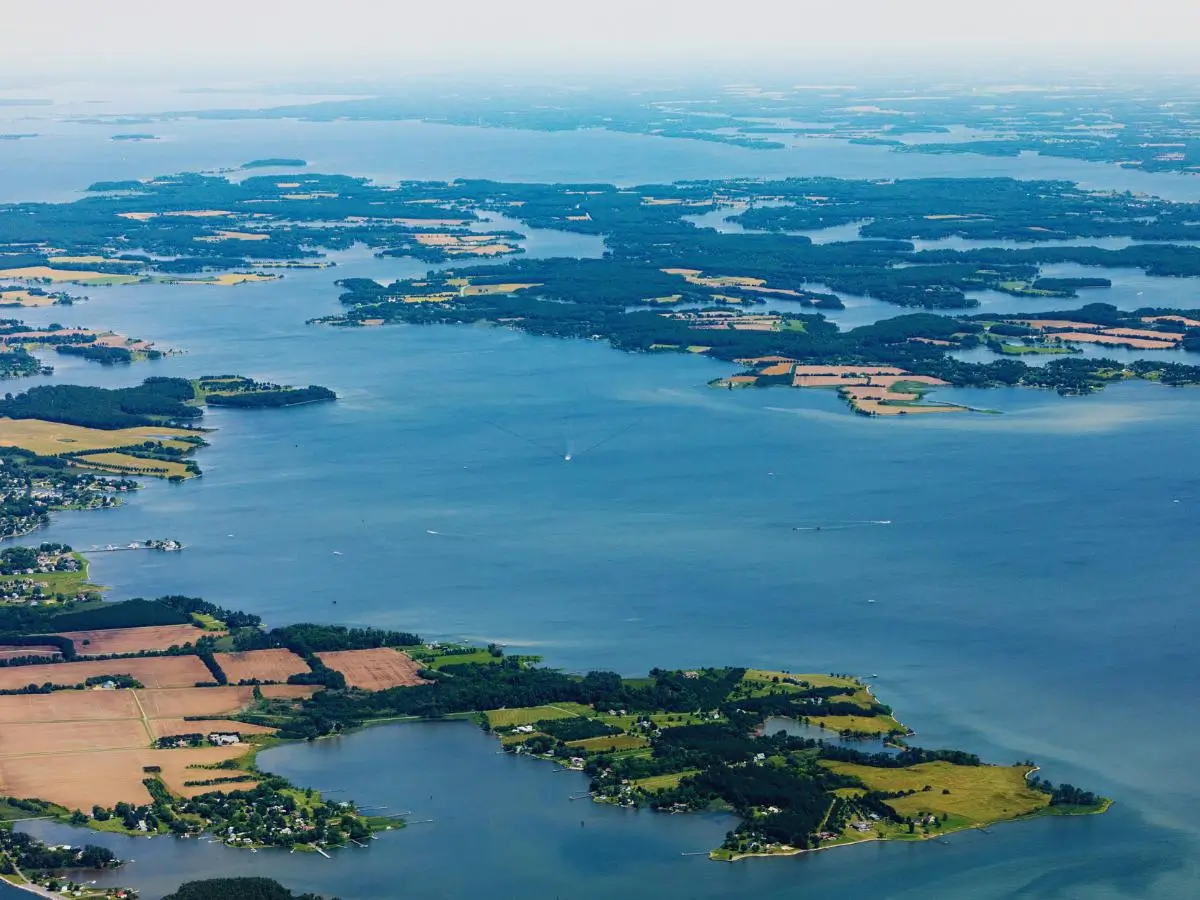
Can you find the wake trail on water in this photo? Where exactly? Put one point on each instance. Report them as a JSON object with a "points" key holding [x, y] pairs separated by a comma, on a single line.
{"points": [[569, 452], [842, 526]]}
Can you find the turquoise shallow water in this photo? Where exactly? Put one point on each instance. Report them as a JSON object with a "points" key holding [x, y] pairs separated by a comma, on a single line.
{"points": [[1032, 593]]}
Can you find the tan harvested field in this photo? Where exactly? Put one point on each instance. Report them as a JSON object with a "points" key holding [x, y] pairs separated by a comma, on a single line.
{"points": [[68, 706], [80, 748], [123, 463], [1093, 337], [77, 780], [186, 213], [193, 701], [47, 273], [762, 360], [107, 777], [1178, 320], [1173, 336], [777, 369], [827, 381], [848, 370], [374, 670], [133, 640], [25, 738], [288, 691], [81, 260], [234, 236], [1043, 324], [228, 279], [10, 652], [24, 298], [153, 672], [52, 438], [264, 665], [168, 727], [472, 290]]}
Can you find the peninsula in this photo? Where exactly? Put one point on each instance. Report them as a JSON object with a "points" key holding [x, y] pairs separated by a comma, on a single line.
{"points": [[171, 700], [149, 430]]}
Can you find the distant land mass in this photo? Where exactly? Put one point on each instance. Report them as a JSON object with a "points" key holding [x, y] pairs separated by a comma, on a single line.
{"points": [[275, 162]]}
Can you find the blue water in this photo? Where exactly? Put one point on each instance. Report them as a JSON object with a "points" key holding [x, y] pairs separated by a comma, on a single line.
{"points": [[1032, 595]]}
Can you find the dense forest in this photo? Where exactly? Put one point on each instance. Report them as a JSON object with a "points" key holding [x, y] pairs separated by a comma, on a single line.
{"points": [[236, 889], [153, 402]]}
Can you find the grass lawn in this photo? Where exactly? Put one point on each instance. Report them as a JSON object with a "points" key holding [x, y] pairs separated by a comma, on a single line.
{"points": [[1022, 350], [527, 715], [864, 724], [68, 583], [663, 782], [608, 742], [481, 657], [207, 622], [978, 794]]}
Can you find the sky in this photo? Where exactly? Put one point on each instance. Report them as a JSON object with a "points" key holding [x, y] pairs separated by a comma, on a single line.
{"points": [[298, 38]]}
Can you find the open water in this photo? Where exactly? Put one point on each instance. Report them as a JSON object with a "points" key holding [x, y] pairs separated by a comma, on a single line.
{"points": [[1031, 596]]}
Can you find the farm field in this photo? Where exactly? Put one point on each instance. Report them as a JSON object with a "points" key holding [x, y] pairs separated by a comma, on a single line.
{"points": [[109, 641], [80, 748], [68, 706], [12, 652], [153, 672], [613, 742], [39, 738], [976, 794], [48, 273], [52, 438], [123, 463], [109, 776], [260, 665], [374, 670], [288, 691], [527, 715], [192, 701], [25, 298], [167, 727]]}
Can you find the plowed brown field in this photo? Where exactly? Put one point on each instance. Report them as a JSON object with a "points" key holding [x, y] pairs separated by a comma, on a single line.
{"points": [[264, 665], [152, 671], [374, 670], [134, 640]]}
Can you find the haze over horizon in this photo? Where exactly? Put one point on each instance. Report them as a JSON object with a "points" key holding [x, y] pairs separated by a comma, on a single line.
{"points": [[309, 39]]}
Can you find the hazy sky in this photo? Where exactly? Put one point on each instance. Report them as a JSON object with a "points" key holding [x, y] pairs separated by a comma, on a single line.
{"points": [[295, 37]]}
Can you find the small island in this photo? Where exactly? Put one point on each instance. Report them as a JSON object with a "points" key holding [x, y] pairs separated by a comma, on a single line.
{"points": [[134, 137], [275, 162]]}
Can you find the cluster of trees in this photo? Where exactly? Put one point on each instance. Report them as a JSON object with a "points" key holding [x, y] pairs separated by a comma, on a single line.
{"points": [[40, 621], [20, 363], [27, 853], [236, 889], [270, 399], [194, 605], [575, 729], [306, 638], [1064, 794], [105, 355], [153, 401]]}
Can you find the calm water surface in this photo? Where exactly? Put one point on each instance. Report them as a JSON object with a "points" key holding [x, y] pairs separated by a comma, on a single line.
{"points": [[1032, 595]]}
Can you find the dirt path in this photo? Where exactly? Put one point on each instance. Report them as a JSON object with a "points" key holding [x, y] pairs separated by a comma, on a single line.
{"points": [[145, 719]]}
